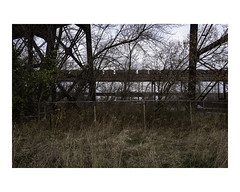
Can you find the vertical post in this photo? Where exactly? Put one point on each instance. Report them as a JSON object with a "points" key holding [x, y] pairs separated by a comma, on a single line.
{"points": [[190, 103], [94, 112], [50, 59], [224, 90], [181, 87], [39, 111], [199, 86], [138, 89], [193, 58], [91, 78], [45, 111], [154, 91], [144, 114]]}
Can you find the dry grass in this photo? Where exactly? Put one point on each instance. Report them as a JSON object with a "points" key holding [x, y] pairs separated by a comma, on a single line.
{"points": [[69, 142]]}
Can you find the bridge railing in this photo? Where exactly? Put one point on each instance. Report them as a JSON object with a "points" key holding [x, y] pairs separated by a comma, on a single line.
{"points": [[146, 75]]}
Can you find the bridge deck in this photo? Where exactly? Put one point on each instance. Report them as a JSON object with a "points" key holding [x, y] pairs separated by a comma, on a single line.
{"points": [[145, 75]]}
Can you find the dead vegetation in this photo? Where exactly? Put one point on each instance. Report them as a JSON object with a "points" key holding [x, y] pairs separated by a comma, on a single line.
{"points": [[117, 142]]}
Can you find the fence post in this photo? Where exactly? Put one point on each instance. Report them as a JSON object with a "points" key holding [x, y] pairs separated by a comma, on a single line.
{"points": [[144, 114], [190, 112], [94, 112], [39, 111], [45, 111]]}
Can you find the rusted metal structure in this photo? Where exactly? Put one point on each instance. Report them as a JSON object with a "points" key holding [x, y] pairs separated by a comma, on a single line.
{"points": [[213, 78], [195, 51], [148, 75], [48, 32], [52, 33]]}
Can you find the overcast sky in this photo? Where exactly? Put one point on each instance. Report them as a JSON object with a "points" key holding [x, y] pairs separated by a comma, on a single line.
{"points": [[180, 33]]}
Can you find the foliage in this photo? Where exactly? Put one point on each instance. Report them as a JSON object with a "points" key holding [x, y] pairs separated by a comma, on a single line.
{"points": [[29, 85]]}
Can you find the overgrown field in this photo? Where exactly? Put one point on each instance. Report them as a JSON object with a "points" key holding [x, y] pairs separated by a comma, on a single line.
{"points": [[168, 141]]}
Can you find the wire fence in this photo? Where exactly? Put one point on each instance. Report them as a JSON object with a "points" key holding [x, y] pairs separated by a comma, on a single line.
{"points": [[146, 112]]}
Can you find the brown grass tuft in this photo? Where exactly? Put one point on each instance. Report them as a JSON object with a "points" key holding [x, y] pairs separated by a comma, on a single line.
{"points": [[73, 142]]}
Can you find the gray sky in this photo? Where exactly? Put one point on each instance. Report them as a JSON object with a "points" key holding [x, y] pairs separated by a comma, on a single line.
{"points": [[180, 32]]}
